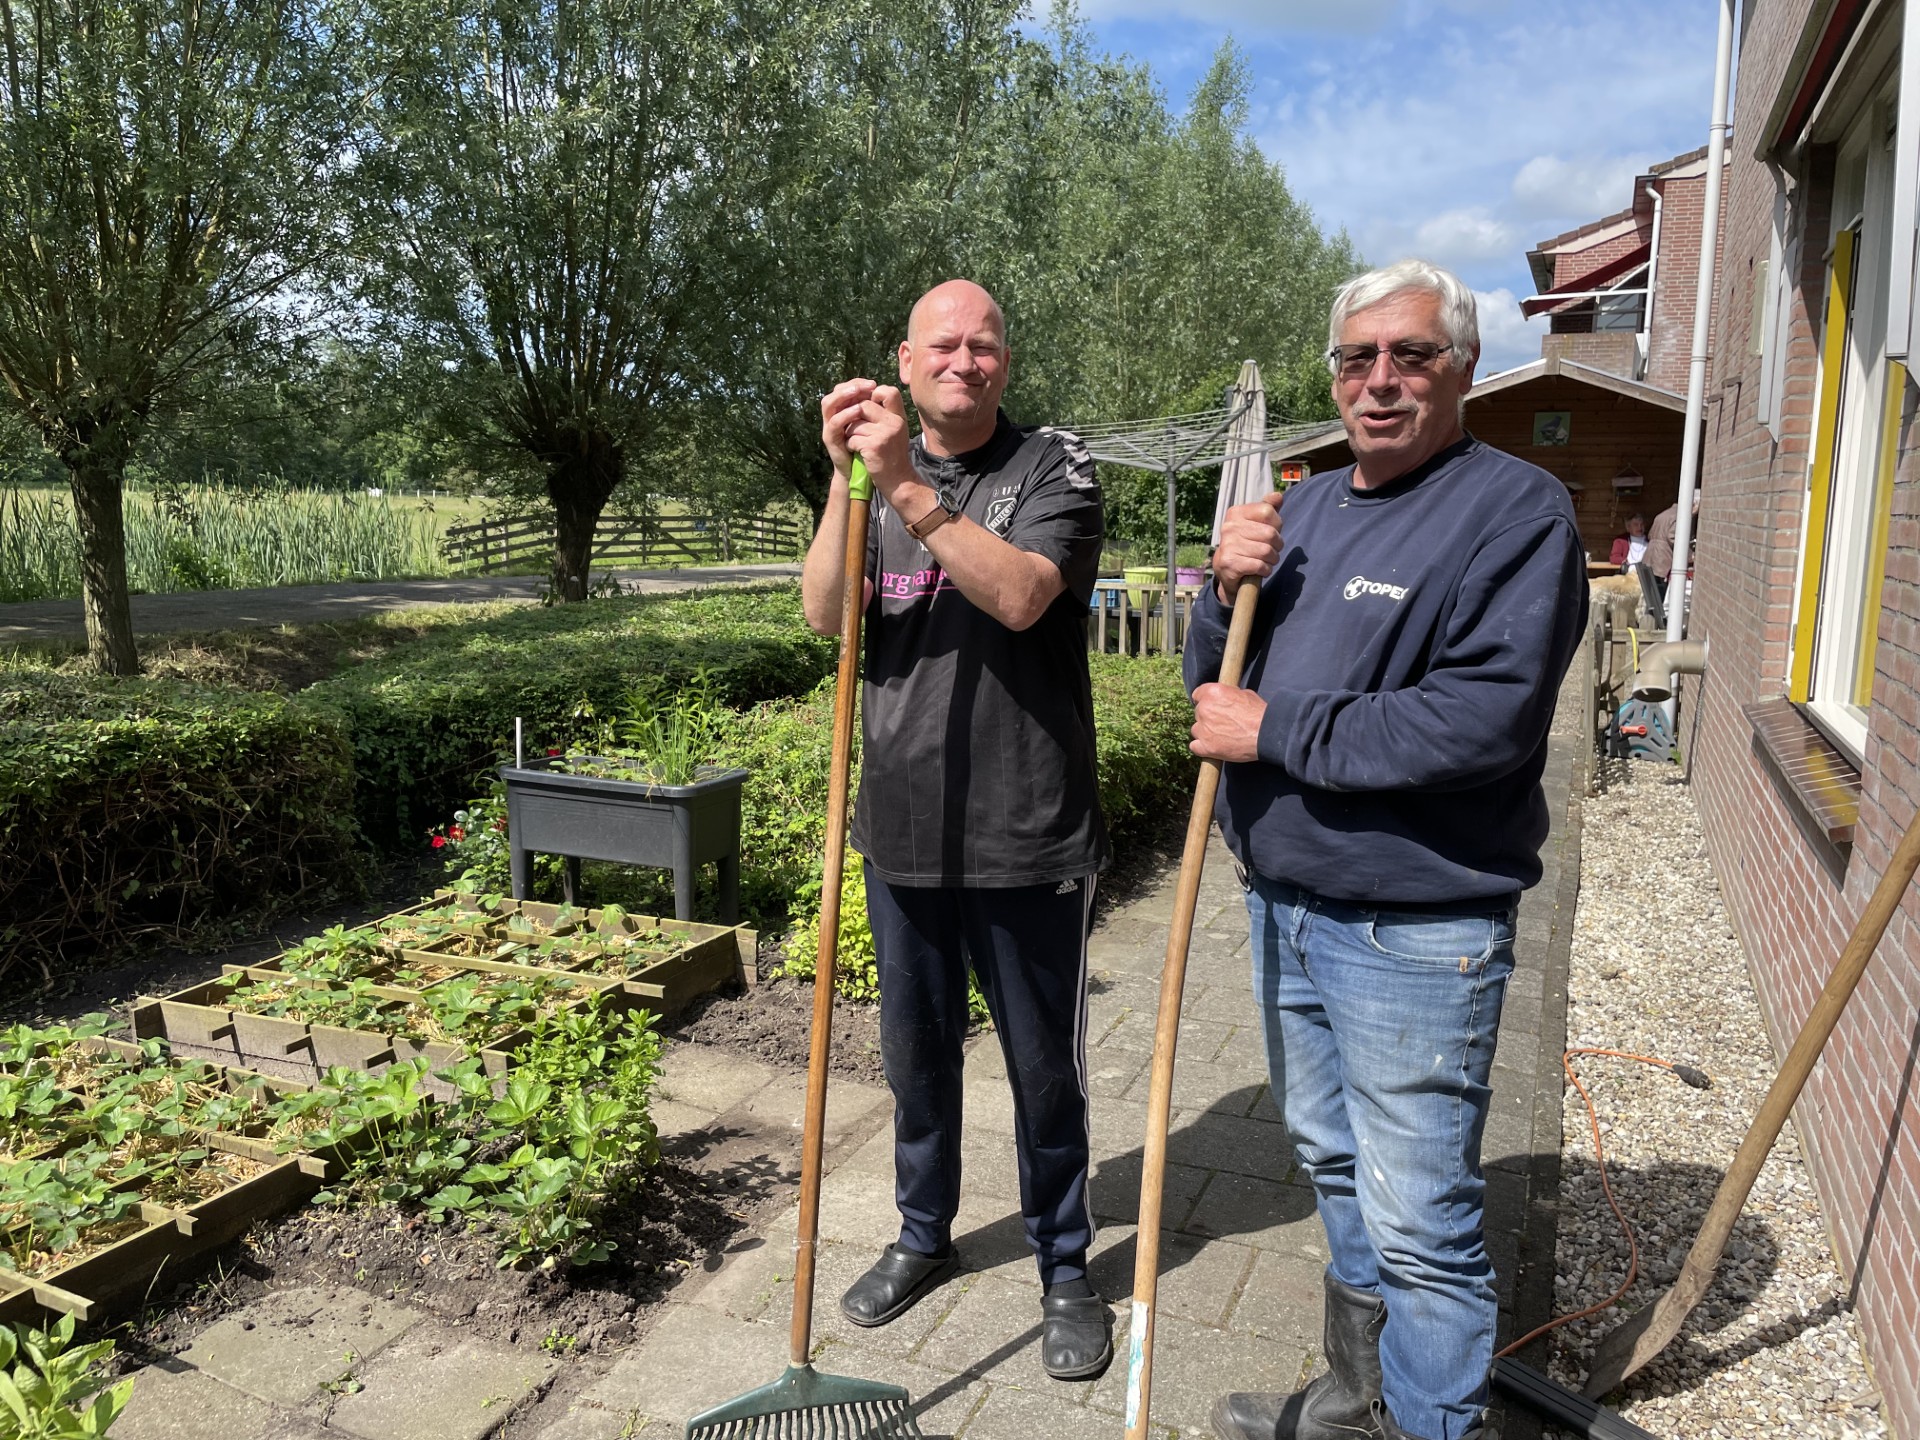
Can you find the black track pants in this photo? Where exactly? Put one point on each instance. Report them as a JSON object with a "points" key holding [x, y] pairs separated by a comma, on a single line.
{"points": [[1028, 946]]}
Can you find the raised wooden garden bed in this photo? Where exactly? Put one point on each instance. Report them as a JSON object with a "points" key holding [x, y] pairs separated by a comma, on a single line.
{"points": [[658, 964], [116, 1262], [204, 1022]]}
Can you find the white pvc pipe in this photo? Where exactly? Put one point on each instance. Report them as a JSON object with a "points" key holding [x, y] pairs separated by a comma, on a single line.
{"points": [[1702, 318], [1653, 278]]}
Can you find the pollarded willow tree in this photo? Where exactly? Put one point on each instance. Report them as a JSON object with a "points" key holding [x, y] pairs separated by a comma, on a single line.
{"points": [[875, 189], [168, 174], [556, 177]]}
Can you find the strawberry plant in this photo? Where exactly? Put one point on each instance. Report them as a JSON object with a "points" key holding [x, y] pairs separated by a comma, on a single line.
{"points": [[535, 1164]]}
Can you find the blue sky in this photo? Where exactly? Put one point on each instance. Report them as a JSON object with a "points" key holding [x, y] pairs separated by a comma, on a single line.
{"points": [[1465, 131]]}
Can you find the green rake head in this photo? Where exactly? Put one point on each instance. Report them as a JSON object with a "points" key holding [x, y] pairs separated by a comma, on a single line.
{"points": [[803, 1404]]}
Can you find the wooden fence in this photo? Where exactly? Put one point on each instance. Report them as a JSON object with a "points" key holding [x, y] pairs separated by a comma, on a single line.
{"points": [[632, 539], [1132, 619]]}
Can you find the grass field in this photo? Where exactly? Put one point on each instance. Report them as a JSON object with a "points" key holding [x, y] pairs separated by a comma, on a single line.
{"points": [[212, 539]]}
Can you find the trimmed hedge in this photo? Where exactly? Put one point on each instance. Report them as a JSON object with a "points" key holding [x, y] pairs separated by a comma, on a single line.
{"points": [[1141, 714], [134, 807], [428, 718]]}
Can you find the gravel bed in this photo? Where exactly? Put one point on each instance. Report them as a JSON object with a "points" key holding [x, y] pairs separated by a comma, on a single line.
{"points": [[1773, 1349]]}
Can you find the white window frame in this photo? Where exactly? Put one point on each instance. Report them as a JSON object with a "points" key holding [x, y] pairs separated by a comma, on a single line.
{"points": [[1835, 688]]}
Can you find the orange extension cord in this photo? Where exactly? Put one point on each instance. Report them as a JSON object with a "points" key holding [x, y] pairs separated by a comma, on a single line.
{"points": [[1687, 1073]]}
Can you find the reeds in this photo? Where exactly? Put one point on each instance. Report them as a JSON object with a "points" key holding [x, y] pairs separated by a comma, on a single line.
{"points": [[206, 538]]}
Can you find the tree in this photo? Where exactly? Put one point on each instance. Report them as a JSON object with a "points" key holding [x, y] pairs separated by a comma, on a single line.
{"points": [[1153, 255], [168, 171], [556, 176], [876, 188]]}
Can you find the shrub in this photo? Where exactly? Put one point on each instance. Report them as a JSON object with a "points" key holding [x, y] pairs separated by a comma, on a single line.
{"points": [[430, 716], [1144, 720], [1141, 715], [140, 807]]}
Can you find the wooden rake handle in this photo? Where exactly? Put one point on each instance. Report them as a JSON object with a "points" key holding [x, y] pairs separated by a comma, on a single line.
{"points": [[1166, 1036], [845, 692], [1639, 1338]]}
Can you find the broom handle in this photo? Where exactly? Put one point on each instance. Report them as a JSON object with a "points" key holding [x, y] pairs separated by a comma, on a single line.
{"points": [[1166, 1035], [846, 690]]}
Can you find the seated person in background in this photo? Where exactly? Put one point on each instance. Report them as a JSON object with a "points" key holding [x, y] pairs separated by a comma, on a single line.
{"points": [[1630, 547]]}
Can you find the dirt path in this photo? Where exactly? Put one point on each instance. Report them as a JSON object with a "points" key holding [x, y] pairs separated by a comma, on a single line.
{"points": [[44, 620]]}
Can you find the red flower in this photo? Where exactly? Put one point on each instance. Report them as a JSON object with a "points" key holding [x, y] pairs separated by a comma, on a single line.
{"points": [[438, 841], [454, 832], [553, 750]]}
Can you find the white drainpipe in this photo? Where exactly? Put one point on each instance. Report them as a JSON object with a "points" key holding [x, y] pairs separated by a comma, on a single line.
{"points": [[1702, 317], [1653, 276]]}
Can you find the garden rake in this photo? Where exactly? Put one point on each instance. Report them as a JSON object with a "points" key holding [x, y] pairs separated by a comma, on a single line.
{"points": [[804, 1404], [1166, 1037]]}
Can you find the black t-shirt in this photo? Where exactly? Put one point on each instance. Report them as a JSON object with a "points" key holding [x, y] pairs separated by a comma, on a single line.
{"points": [[977, 759]]}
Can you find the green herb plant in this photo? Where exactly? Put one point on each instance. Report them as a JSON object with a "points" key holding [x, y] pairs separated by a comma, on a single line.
{"points": [[45, 1382]]}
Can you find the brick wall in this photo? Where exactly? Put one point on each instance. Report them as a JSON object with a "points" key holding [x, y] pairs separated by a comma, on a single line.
{"points": [[1676, 275], [1570, 264], [1615, 351], [1793, 898]]}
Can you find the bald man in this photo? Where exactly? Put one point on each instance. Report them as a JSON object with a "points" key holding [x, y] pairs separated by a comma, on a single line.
{"points": [[978, 815]]}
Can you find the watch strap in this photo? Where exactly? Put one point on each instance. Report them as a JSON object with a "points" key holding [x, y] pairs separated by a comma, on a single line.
{"points": [[931, 521]]}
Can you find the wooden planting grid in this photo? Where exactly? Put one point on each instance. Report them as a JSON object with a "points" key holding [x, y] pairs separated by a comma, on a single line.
{"points": [[198, 1024], [122, 1272], [707, 957]]}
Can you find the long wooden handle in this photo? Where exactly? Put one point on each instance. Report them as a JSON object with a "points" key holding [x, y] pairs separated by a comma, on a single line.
{"points": [[1644, 1335], [1166, 1036], [845, 692]]}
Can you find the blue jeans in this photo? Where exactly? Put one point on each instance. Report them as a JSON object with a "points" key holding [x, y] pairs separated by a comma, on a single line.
{"points": [[1380, 1029]]}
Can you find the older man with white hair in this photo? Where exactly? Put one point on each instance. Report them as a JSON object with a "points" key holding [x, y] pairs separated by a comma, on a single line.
{"points": [[1382, 798]]}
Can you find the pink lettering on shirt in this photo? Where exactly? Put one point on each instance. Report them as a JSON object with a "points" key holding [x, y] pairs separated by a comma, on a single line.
{"points": [[911, 584]]}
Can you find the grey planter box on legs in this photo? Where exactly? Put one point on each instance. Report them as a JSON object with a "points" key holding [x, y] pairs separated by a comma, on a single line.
{"points": [[676, 827]]}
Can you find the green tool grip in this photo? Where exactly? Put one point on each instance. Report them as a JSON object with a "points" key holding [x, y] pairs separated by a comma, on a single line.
{"points": [[859, 483]]}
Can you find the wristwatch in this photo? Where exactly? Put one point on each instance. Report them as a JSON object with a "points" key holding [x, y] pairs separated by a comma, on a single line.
{"points": [[931, 521]]}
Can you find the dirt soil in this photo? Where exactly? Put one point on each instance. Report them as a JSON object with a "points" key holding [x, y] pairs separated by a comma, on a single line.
{"points": [[773, 1023], [673, 1225]]}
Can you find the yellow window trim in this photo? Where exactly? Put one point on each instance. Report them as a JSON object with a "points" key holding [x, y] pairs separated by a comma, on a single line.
{"points": [[1882, 523], [1833, 354]]}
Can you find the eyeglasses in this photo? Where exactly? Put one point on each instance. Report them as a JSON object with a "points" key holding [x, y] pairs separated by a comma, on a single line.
{"points": [[1410, 357]]}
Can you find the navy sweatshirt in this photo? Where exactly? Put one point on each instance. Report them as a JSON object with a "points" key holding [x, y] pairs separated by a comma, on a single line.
{"points": [[1410, 646]]}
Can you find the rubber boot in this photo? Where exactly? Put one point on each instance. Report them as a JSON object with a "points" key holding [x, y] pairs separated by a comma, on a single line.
{"points": [[1343, 1404], [1388, 1430]]}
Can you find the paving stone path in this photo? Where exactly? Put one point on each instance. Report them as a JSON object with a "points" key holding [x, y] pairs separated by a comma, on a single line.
{"points": [[1241, 1252], [43, 620]]}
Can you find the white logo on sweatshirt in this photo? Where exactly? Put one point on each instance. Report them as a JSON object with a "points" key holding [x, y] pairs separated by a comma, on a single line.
{"points": [[1359, 585]]}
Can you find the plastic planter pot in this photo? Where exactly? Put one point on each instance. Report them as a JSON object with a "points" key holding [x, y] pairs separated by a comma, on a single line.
{"points": [[676, 827]]}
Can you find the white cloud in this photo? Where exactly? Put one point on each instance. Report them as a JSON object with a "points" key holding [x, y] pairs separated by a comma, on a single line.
{"points": [[1506, 339], [1548, 186], [1250, 17], [1470, 138], [1463, 236]]}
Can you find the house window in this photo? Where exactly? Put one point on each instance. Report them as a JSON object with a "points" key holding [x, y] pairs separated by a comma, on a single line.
{"points": [[1850, 480]]}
